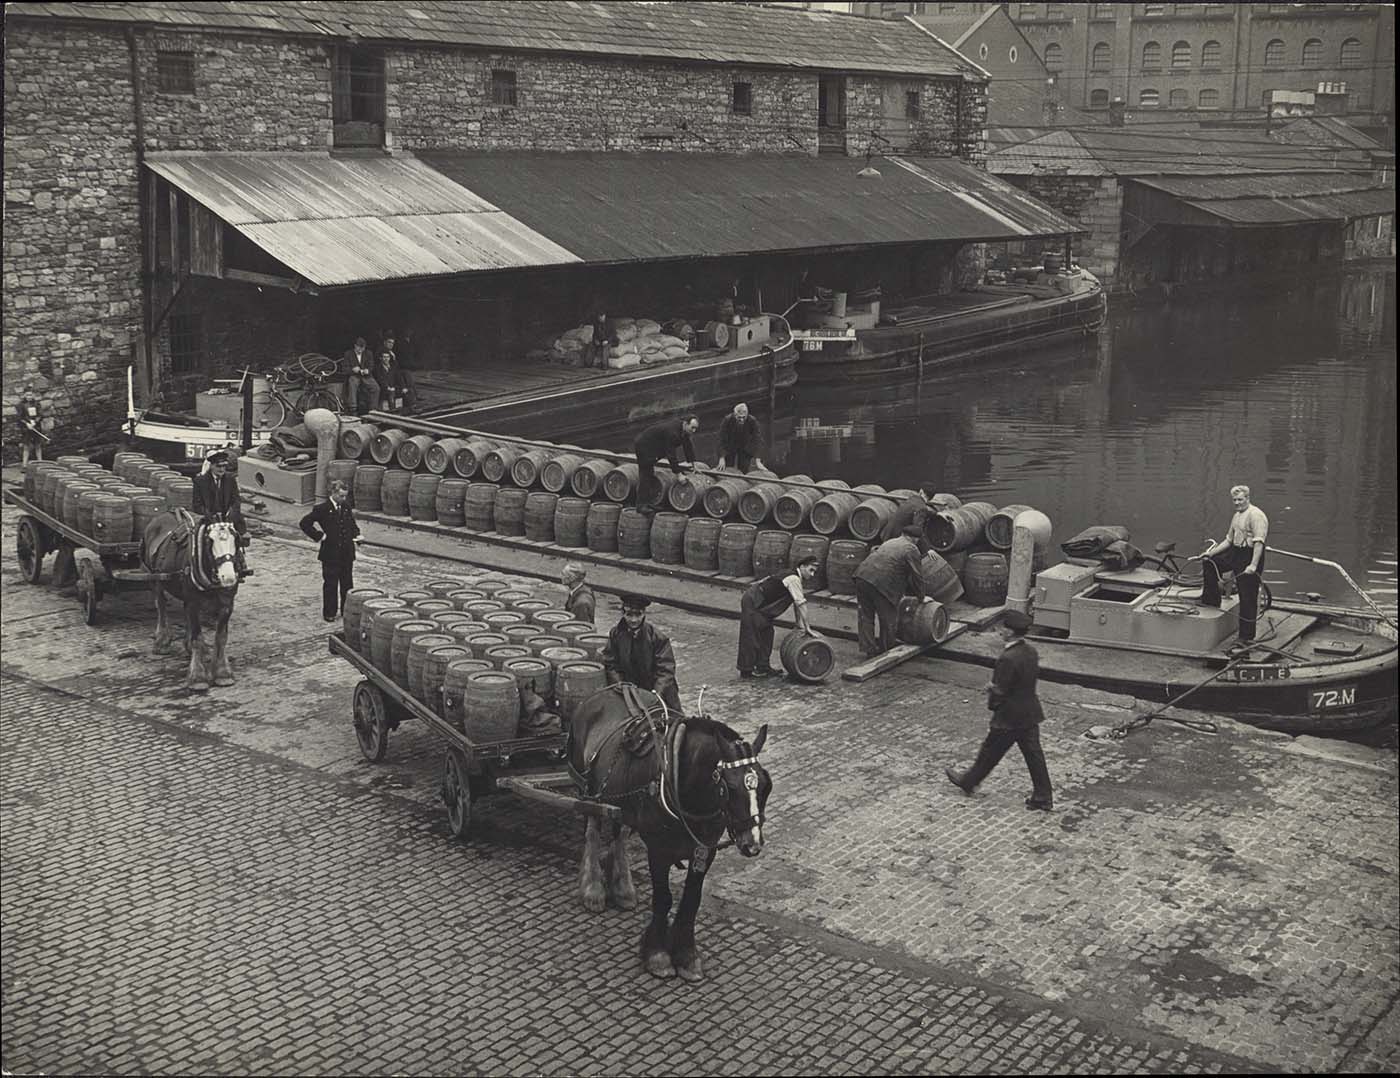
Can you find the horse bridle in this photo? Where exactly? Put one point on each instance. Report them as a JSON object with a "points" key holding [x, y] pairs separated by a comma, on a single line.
{"points": [[216, 562], [751, 783]]}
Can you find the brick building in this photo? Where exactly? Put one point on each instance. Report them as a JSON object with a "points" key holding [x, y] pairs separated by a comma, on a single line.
{"points": [[169, 168]]}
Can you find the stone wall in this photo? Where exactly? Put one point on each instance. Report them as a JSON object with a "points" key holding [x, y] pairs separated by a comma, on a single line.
{"points": [[1094, 203], [71, 229]]}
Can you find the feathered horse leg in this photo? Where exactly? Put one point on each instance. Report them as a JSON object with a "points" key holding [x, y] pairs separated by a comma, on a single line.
{"points": [[223, 675], [198, 679]]}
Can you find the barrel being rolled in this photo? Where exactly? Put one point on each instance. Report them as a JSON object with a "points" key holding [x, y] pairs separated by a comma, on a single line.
{"points": [[702, 543], [510, 510], [941, 580], [633, 534], [736, 542], [385, 446], [806, 658], [668, 538], [539, 514], [393, 492], [571, 522], [985, 578], [958, 529], [921, 622], [843, 558], [369, 487]]}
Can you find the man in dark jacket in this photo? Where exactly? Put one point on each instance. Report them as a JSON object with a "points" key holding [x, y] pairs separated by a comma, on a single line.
{"points": [[604, 337], [740, 440], [659, 440], [580, 602], [913, 510], [1016, 717], [358, 365], [889, 572], [216, 495], [639, 652], [332, 524]]}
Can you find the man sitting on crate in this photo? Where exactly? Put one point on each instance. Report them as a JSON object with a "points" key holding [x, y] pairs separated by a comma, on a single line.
{"points": [[216, 497], [639, 652]]}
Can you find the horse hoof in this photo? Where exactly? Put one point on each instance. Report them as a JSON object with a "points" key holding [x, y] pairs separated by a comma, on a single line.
{"points": [[223, 682], [624, 901], [198, 686], [594, 900], [692, 974], [659, 965]]}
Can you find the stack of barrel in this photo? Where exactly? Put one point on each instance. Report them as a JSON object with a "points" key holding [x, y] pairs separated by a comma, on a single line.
{"points": [[479, 651], [106, 506], [720, 521]]}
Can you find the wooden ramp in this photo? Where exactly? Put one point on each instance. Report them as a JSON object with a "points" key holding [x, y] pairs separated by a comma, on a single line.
{"points": [[964, 617]]}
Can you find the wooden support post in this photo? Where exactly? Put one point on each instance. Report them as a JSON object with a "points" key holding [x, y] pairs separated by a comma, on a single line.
{"points": [[921, 359], [1018, 585]]}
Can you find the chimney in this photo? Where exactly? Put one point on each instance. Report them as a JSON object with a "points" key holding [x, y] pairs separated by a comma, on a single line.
{"points": [[1331, 99], [1117, 112]]}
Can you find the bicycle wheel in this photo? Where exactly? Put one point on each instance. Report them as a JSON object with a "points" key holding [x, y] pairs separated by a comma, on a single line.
{"points": [[275, 414], [315, 365], [1189, 574], [318, 397]]}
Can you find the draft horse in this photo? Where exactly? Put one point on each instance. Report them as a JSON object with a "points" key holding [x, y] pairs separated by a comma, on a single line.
{"points": [[682, 784], [196, 564]]}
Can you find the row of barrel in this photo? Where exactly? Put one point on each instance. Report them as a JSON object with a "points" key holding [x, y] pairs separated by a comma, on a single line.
{"points": [[108, 506], [470, 650], [756, 498]]}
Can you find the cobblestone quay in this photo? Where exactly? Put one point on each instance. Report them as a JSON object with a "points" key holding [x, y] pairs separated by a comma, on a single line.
{"points": [[221, 884]]}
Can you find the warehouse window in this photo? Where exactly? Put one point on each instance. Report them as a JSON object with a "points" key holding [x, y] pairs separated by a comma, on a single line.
{"points": [[1273, 53], [1209, 99], [1177, 99], [1152, 55], [357, 96], [1210, 54], [1181, 55], [1351, 51], [184, 343], [1098, 99], [741, 104], [911, 104], [1149, 99], [1054, 56], [503, 87], [1312, 52], [1154, 9], [1102, 56], [175, 72], [1054, 11], [1105, 11]]}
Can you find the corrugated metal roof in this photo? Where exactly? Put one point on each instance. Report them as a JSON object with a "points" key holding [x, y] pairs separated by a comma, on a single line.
{"points": [[343, 221], [617, 208], [1280, 211], [720, 33], [1285, 185]]}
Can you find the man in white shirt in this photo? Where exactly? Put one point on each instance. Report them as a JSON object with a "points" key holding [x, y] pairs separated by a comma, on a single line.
{"points": [[1241, 552], [763, 602]]}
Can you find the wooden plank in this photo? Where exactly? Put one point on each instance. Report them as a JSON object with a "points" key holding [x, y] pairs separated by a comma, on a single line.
{"points": [[173, 236], [900, 653], [265, 279]]}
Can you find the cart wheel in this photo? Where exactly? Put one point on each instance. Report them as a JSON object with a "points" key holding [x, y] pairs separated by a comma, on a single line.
{"points": [[29, 546], [371, 722], [89, 592], [456, 792]]}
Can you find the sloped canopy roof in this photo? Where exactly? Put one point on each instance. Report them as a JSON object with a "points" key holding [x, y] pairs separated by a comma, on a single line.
{"points": [[1273, 200]]}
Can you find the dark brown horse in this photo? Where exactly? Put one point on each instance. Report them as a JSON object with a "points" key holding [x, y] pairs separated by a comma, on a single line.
{"points": [[682, 784], [197, 566]]}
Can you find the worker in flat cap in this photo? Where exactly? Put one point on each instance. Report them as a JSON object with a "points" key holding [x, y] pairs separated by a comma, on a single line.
{"points": [[1016, 716], [639, 652]]}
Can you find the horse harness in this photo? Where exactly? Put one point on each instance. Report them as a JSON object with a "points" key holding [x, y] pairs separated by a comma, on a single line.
{"points": [[191, 531]]}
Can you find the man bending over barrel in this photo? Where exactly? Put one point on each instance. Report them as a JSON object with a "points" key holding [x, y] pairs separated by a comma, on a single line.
{"points": [[764, 602]]}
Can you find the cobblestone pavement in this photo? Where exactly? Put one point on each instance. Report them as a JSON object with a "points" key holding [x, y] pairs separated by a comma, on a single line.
{"points": [[1231, 893], [177, 904]]}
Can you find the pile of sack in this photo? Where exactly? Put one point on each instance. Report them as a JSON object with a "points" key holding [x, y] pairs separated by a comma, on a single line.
{"points": [[639, 341]]}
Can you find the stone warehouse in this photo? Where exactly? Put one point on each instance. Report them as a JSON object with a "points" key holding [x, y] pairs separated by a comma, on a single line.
{"points": [[109, 266]]}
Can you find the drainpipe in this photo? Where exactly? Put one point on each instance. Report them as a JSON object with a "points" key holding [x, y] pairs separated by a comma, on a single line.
{"points": [[143, 207]]}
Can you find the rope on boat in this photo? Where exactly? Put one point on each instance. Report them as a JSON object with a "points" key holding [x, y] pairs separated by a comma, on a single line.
{"points": [[1137, 722]]}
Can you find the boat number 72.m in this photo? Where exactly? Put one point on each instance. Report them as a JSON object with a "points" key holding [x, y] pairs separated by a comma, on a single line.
{"points": [[1320, 699]]}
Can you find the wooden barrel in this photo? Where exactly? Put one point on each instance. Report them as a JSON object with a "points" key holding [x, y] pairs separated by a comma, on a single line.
{"points": [[454, 687], [462, 596], [619, 482], [668, 538], [521, 633], [32, 473], [66, 497], [806, 658], [811, 546], [571, 521], [44, 484], [479, 608], [393, 492], [86, 503], [497, 463], [428, 607], [490, 585], [770, 552], [941, 580], [356, 440], [369, 488], [832, 512], [123, 463], [510, 511], [633, 534], [702, 543], [435, 664], [404, 632], [68, 460], [466, 461], [943, 502], [687, 491], [984, 579], [722, 498], [381, 636], [353, 610], [572, 630], [385, 446], [500, 654], [479, 507], [593, 643], [575, 682], [499, 620], [410, 451], [558, 470], [480, 642], [548, 619], [557, 657], [794, 506], [490, 707], [179, 492], [756, 504], [842, 559], [144, 509], [539, 515], [921, 622], [159, 476], [344, 470], [531, 607], [422, 496], [532, 674], [112, 519], [448, 502], [601, 526], [450, 619], [868, 519], [370, 610], [958, 529], [413, 595], [735, 554], [463, 631], [1001, 525], [525, 472], [418, 648], [508, 597], [438, 459], [541, 642], [588, 477]]}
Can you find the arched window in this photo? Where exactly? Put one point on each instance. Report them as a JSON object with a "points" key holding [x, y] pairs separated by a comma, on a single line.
{"points": [[1177, 99], [1351, 51], [1210, 54], [1103, 56], [1098, 99], [1149, 99], [1054, 56], [1181, 55], [1273, 53], [1152, 54], [1312, 52], [1209, 99]]}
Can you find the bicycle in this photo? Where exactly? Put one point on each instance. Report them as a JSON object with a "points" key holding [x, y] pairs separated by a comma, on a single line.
{"points": [[308, 372], [1190, 573]]}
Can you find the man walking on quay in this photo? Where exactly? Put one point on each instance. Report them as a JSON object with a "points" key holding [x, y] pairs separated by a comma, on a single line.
{"points": [[669, 438], [913, 510], [764, 602], [639, 652], [332, 524], [740, 440], [888, 573], [1241, 552], [1016, 717]]}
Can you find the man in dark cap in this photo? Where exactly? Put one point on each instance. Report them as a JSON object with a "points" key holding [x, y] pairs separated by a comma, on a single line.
{"points": [[216, 495], [888, 573], [1016, 716], [639, 652], [332, 524]]}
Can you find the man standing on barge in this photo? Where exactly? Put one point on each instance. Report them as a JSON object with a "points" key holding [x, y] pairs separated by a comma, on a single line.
{"points": [[1241, 552], [740, 440]]}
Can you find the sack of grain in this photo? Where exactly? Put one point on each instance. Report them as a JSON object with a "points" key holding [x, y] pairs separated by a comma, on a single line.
{"points": [[646, 327], [665, 340], [582, 334], [679, 352], [621, 362], [627, 348]]}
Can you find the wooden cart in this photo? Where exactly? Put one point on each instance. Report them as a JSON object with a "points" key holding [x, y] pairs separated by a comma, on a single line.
{"points": [[471, 770], [110, 566]]}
